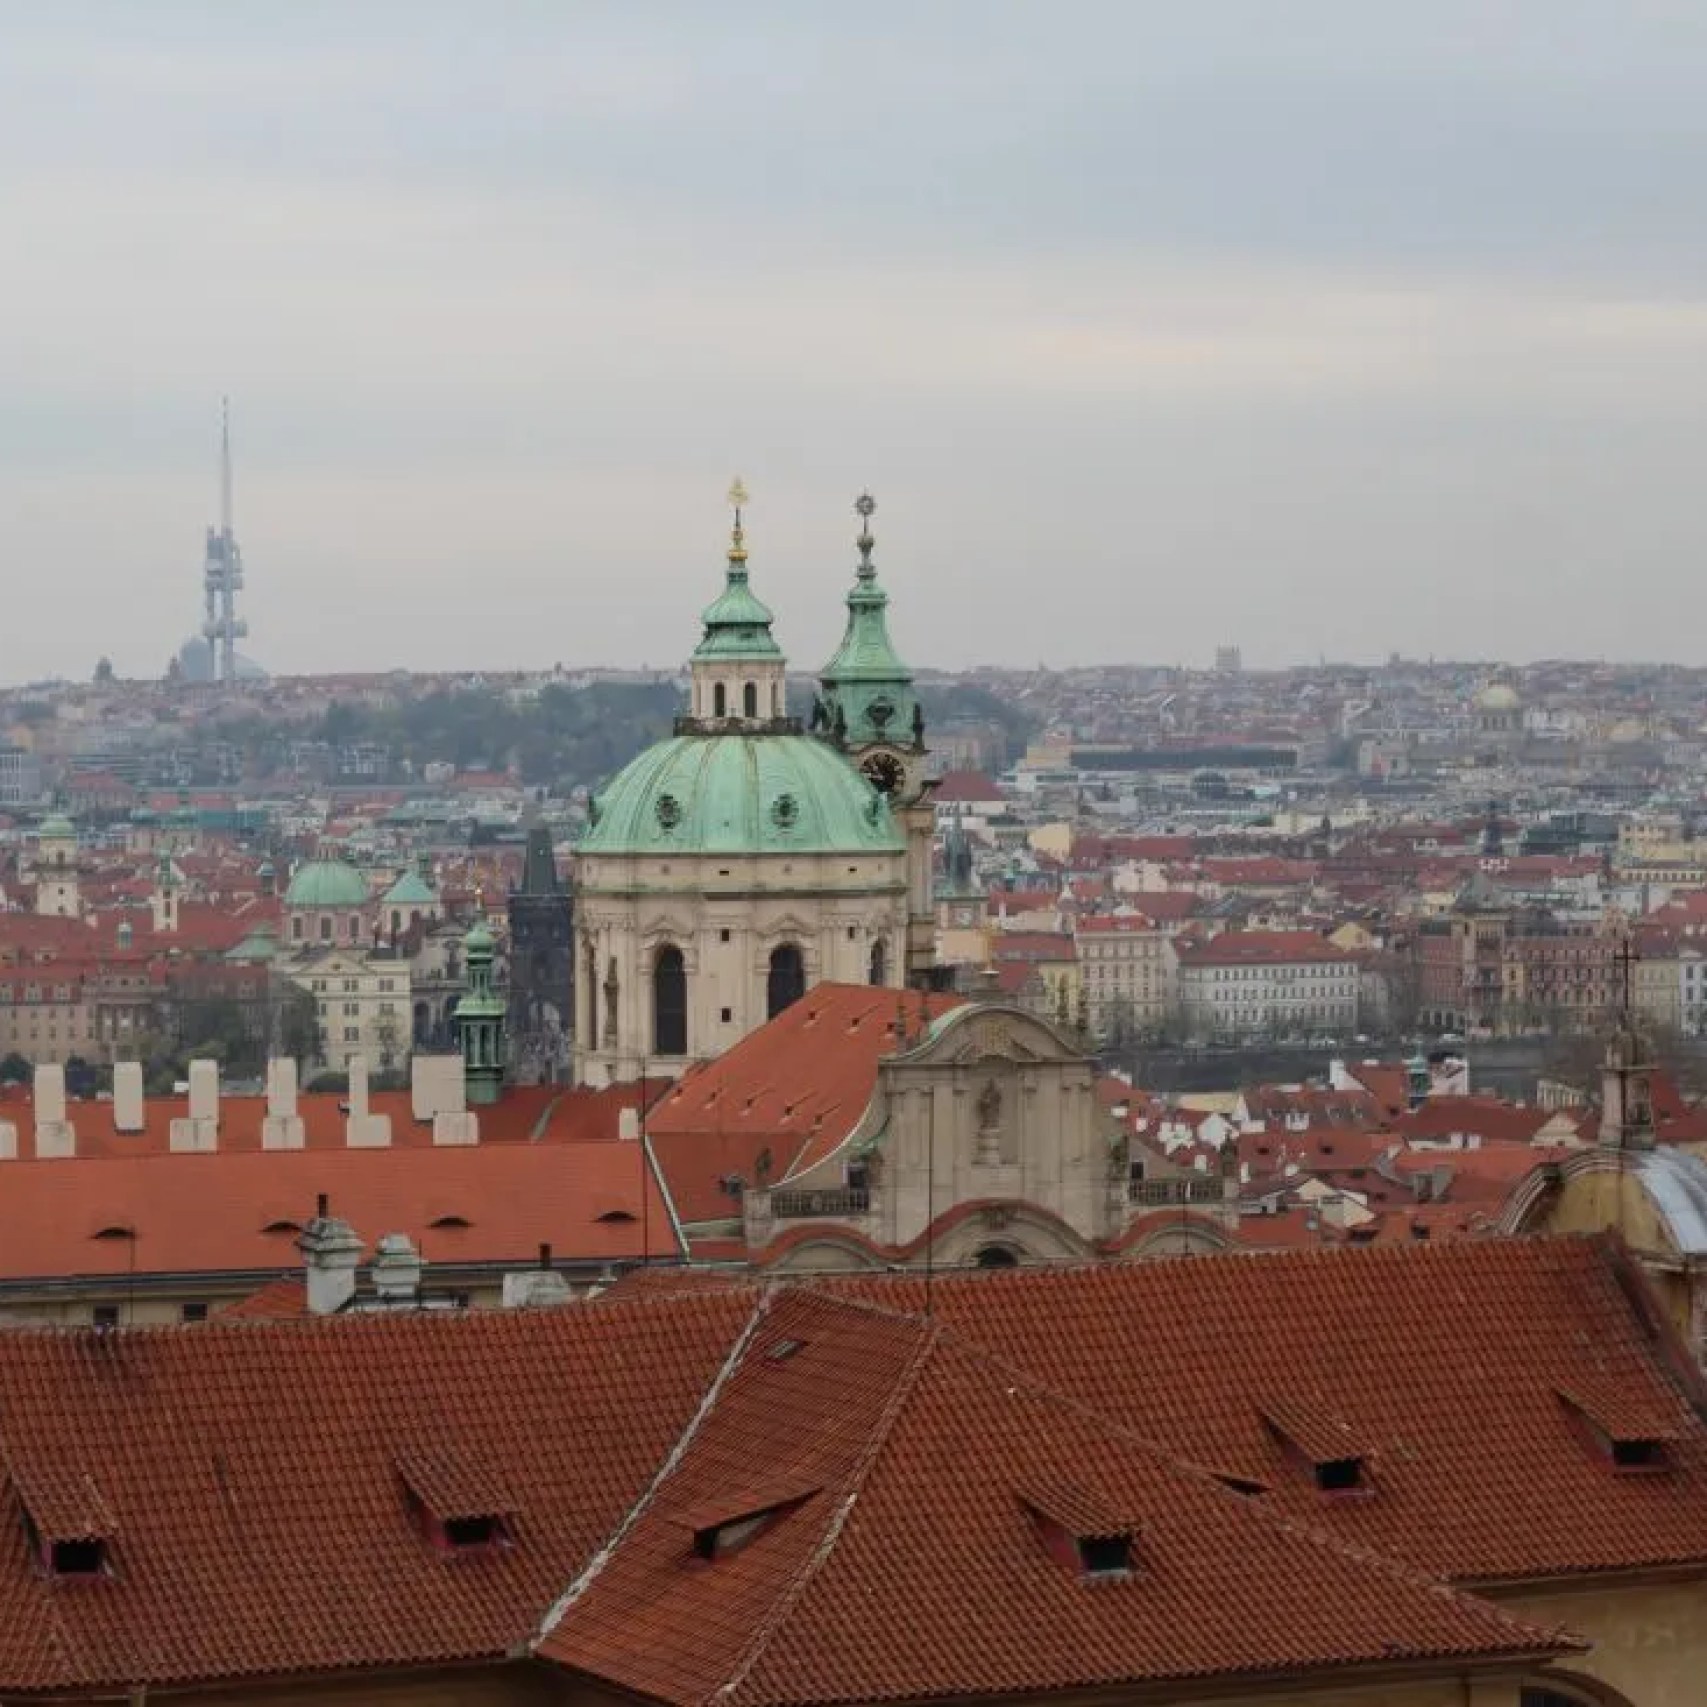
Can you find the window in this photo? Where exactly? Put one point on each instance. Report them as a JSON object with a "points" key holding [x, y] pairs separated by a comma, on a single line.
{"points": [[1106, 1555], [1340, 1475], [86, 1556], [105, 1315], [723, 936], [719, 701], [786, 983], [352, 1034], [669, 1002], [726, 1015], [750, 699], [193, 1313], [325, 928], [463, 1533], [879, 962]]}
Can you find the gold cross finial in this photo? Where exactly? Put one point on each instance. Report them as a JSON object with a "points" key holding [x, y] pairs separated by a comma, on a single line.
{"points": [[737, 535]]}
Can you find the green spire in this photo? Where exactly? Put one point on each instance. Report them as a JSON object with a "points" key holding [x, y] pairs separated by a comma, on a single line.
{"points": [[867, 688], [480, 1019], [737, 625]]}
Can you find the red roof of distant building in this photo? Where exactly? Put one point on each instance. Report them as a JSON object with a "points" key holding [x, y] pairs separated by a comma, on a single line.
{"points": [[1271, 948]]}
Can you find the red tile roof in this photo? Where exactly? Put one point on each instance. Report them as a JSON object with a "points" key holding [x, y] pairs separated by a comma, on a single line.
{"points": [[907, 1474], [218, 1214], [254, 1476], [796, 1088], [1444, 1357], [1269, 948]]}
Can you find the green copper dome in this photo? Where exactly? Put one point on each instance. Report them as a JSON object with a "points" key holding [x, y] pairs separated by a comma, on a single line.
{"points": [[740, 794], [57, 828], [327, 883], [410, 890]]}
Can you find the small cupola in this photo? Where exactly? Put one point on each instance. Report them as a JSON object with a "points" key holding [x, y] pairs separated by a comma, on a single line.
{"points": [[738, 671]]}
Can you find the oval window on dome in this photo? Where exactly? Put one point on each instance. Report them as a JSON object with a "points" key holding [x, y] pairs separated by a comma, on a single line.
{"points": [[669, 810], [785, 811]]}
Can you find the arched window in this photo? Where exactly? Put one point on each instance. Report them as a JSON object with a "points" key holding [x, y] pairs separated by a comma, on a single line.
{"points": [[879, 962], [750, 699], [296, 928], [995, 1256], [719, 701], [669, 1002], [325, 927], [396, 922], [776, 699], [787, 981]]}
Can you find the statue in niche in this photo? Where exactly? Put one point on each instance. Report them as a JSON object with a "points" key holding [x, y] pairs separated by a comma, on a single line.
{"points": [[612, 990], [820, 716], [989, 1150]]}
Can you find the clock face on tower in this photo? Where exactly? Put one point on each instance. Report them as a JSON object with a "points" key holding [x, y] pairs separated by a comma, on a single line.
{"points": [[885, 773]]}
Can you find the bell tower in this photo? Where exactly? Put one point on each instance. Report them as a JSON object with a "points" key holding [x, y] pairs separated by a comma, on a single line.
{"points": [[866, 706]]}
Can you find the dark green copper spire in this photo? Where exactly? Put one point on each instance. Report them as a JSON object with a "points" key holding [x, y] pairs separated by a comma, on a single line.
{"points": [[868, 693]]}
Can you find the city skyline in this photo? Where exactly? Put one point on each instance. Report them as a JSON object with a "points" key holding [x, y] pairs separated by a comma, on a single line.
{"points": [[1150, 332]]}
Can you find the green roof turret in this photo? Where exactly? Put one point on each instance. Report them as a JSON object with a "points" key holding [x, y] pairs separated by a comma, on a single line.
{"points": [[480, 1018], [868, 692], [737, 624]]}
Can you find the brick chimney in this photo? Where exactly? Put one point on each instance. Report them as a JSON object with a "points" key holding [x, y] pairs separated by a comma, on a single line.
{"points": [[55, 1135], [331, 1254]]}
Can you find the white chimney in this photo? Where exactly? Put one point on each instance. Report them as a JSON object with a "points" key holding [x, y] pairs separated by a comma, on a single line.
{"points": [[439, 1093], [8, 1141], [363, 1130], [281, 1128], [128, 1112], [535, 1289], [55, 1135], [331, 1254], [628, 1125], [199, 1130], [396, 1270]]}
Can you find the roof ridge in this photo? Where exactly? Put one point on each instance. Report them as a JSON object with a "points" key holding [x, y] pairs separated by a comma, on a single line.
{"points": [[556, 1612], [930, 1337]]}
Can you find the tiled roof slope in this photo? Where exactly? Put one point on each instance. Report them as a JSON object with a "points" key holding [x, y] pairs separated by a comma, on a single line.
{"points": [[796, 1086], [204, 1214], [906, 1559], [1445, 1360], [254, 1477]]}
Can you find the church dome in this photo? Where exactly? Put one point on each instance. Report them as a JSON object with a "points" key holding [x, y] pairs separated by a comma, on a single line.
{"points": [[57, 828], [1498, 696], [327, 883], [747, 793]]}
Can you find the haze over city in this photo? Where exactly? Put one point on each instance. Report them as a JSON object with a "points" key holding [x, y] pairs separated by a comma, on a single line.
{"points": [[1319, 329]]}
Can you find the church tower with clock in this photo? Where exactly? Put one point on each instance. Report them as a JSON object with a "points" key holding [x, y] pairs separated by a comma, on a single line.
{"points": [[868, 709]]}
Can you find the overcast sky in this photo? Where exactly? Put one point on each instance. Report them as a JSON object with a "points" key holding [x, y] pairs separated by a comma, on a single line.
{"points": [[1333, 326]]}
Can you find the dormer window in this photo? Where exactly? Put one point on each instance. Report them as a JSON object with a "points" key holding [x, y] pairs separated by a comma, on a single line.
{"points": [[67, 1524], [1634, 1435], [1315, 1437], [1083, 1532], [724, 1526], [458, 1512]]}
